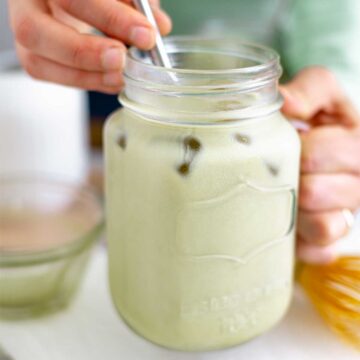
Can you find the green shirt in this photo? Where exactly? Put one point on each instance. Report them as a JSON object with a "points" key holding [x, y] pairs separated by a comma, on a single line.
{"points": [[304, 32]]}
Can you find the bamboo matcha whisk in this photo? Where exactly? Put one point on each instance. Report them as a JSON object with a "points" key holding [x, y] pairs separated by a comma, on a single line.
{"points": [[334, 290]]}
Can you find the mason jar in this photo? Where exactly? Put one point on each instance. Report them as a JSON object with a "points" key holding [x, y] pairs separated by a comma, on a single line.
{"points": [[201, 183]]}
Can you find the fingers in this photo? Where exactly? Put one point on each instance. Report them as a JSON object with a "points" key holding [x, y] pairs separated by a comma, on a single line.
{"points": [[162, 19], [118, 20], [330, 163], [322, 228], [316, 89], [68, 47], [44, 69], [330, 149], [329, 192], [153, 3], [311, 90], [317, 233], [314, 254], [64, 18], [53, 51]]}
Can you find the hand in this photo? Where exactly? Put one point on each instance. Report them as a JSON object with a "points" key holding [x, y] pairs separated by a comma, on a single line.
{"points": [[330, 161], [52, 47]]}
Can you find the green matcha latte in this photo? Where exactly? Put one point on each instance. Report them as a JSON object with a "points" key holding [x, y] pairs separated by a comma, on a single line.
{"points": [[201, 183]]}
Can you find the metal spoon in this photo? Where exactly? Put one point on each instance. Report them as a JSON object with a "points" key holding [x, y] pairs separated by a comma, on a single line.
{"points": [[158, 54]]}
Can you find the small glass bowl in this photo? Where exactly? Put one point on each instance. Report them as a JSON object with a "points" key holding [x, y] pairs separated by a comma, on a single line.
{"points": [[47, 229]]}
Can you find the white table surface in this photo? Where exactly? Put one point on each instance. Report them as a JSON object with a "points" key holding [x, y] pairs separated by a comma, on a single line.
{"points": [[91, 330]]}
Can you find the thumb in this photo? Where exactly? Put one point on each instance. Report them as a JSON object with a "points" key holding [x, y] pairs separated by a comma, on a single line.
{"points": [[314, 90], [311, 90]]}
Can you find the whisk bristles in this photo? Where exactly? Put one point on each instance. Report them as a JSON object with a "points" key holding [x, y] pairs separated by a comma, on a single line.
{"points": [[334, 290]]}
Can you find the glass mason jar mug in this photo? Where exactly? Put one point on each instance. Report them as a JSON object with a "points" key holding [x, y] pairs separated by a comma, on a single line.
{"points": [[201, 180]]}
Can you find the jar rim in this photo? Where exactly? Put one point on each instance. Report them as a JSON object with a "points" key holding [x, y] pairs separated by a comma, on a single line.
{"points": [[225, 77], [231, 46]]}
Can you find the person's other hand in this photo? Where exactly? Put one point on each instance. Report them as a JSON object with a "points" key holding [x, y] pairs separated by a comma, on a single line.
{"points": [[330, 161], [52, 45]]}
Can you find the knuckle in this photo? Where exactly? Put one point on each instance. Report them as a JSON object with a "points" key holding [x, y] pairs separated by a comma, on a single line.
{"points": [[312, 144], [66, 5], [309, 162], [83, 80], [326, 75], [113, 21], [309, 193], [29, 63], [80, 78], [78, 54], [325, 231], [26, 31]]}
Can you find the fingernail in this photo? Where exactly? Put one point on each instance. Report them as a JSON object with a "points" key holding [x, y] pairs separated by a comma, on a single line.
{"points": [[300, 126], [112, 79], [113, 59], [142, 37]]}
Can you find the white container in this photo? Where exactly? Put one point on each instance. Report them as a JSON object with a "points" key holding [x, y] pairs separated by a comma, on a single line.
{"points": [[42, 128]]}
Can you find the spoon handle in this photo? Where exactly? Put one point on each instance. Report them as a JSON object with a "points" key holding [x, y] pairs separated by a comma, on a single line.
{"points": [[158, 54]]}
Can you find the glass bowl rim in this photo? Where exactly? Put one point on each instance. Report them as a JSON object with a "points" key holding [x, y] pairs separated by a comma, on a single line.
{"points": [[15, 258]]}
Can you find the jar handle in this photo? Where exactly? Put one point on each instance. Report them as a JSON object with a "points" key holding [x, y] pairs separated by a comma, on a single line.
{"points": [[293, 206], [293, 212]]}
